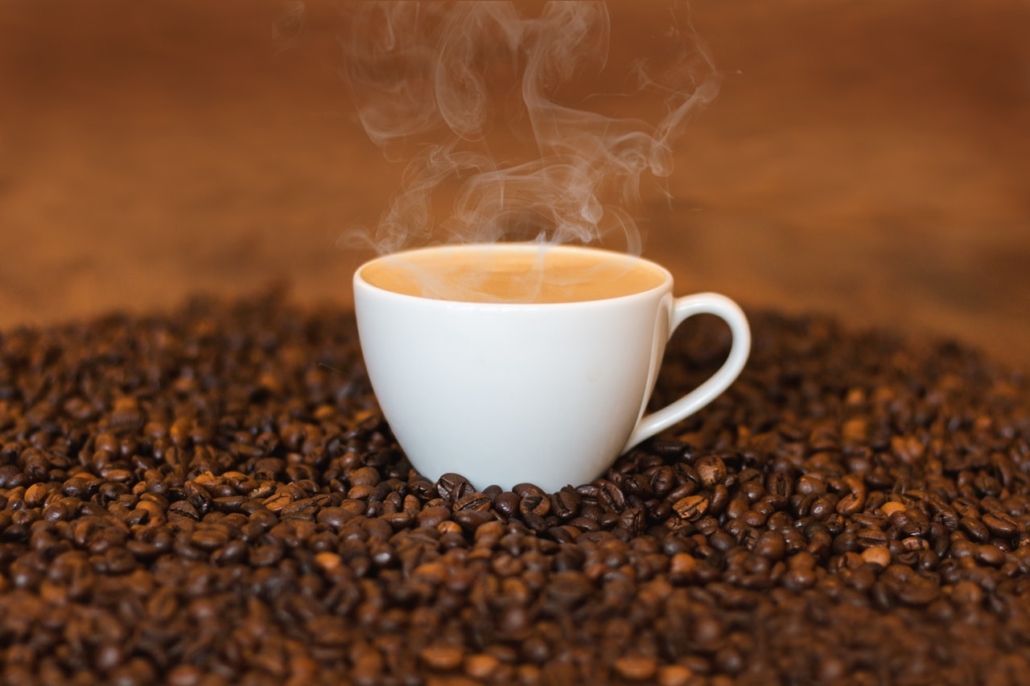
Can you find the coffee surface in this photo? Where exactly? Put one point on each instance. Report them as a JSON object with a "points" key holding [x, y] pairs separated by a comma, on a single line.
{"points": [[517, 276]]}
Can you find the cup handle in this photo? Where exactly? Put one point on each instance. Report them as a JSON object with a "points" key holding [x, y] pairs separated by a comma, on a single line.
{"points": [[688, 306]]}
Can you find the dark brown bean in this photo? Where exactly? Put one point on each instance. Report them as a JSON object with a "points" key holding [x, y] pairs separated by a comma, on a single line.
{"points": [[473, 501], [507, 503], [453, 487], [692, 507], [565, 503], [1001, 525], [975, 528], [711, 469]]}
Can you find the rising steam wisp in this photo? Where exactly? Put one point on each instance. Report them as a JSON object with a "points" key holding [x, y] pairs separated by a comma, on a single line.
{"points": [[431, 81]]}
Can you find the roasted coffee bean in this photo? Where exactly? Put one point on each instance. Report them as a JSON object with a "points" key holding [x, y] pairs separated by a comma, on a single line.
{"points": [[711, 469], [431, 517], [989, 554], [364, 476], [720, 498], [692, 507], [737, 508], [192, 500], [565, 503], [1001, 524], [507, 503], [779, 484], [975, 528], [810, 485], [870, 537], [473, 501], [533, 500], [452, 487], [662, 481], [877, 555], [636, 667], [610, 496], [770, 545], [470, 520]]}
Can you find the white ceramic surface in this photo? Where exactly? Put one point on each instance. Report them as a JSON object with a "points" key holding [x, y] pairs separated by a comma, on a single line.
{"points": [[551, 394]]}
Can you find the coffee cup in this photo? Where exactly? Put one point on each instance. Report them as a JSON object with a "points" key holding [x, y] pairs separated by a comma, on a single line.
{"points": [[511, 362]]}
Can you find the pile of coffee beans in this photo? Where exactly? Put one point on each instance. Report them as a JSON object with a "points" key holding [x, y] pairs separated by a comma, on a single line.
{"points": [[212, 497]]}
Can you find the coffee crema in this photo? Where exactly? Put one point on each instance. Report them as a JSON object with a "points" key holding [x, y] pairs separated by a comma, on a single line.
{"points": [[515, 275]]}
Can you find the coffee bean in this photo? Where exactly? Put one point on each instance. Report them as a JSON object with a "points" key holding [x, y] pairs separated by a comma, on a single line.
{"points": [[565, 503], [452, 487], [610, 496], [364, 476], [870, 537], [692, 507], [636, 667], [470, 520], [507, 503], [1001, 525], [917, 592], [442, 656], [479, 502], [481, 666], [674, 675], [975, 528], [662, 481], [877, 555], [536, 503], [989, 554], [711, 470], [431, 517], [779, 484], [770, 545]]}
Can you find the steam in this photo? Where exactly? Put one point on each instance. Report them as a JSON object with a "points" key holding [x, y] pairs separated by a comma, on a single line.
{"points": [[431, 81], [288, 25]]}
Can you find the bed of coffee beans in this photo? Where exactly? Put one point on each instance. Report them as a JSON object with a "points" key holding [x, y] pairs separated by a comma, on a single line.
{"points": [[212, 497]]}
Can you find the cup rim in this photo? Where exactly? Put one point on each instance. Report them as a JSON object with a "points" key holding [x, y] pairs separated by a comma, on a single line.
{"points": [[665, 285]]}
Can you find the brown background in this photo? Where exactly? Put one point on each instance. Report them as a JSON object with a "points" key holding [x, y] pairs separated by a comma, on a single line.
{"points": [[866, 159]]}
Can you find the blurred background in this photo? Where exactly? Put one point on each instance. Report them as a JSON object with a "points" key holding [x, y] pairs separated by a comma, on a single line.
{"points": [[870, 160]]}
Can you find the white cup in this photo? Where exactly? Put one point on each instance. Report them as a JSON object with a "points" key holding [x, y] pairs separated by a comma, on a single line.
{"points": [[546, 393]]}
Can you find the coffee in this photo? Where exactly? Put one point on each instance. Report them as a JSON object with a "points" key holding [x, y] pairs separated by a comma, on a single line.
{"points": [[523, 274]]}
